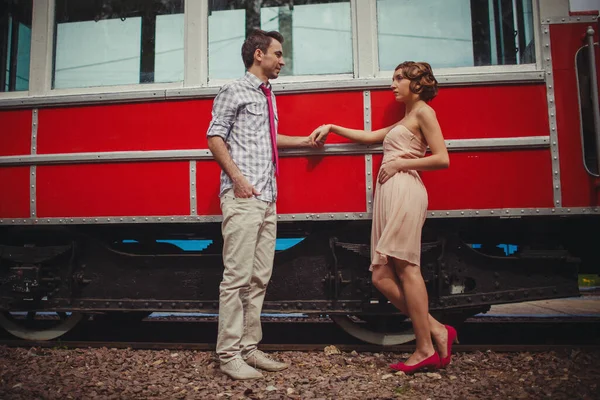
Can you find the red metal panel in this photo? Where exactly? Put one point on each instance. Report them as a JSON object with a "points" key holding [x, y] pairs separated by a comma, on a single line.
{"points": [[15, 132], [322, 184], [480, 180], [14, 197], [97, 190], [577, 187], [207, 188], [477, 112], [300, 114], [165, 125]]}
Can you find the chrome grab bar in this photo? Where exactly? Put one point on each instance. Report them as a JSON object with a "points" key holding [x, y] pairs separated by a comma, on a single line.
{"points": [[594, 89]]}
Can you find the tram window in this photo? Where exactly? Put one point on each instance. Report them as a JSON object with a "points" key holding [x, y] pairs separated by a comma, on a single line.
{"points": [[15, 44], [455, 33], [317, 33], [116, 42]]}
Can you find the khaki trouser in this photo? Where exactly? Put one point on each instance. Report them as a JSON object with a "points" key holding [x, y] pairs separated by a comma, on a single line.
{"points": [[249, 231]]}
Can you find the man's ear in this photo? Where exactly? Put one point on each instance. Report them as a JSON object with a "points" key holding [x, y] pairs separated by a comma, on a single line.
{"points": [[258, 54]]}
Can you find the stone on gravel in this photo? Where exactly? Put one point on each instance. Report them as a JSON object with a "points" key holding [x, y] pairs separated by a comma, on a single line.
{"points": [[331, 350]]}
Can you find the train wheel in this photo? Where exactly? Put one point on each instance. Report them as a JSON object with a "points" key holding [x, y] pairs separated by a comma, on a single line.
{"points": [[24, 328], [367, 332]]}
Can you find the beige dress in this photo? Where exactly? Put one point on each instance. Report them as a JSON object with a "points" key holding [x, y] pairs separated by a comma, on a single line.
{"points": [[400, 204]]}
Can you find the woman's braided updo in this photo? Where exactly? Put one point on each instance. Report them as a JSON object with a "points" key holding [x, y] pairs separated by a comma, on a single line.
{"points": [[422, 81]]}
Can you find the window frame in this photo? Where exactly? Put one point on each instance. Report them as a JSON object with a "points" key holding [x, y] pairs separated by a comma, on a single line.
{"points": [[196, 81]]}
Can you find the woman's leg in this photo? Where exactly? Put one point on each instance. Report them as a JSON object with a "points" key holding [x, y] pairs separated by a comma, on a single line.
{"points": [[385, 279], [417, 305]]}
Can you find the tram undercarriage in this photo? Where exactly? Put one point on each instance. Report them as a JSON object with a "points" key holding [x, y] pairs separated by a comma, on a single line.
{"points": [[128, 272]]}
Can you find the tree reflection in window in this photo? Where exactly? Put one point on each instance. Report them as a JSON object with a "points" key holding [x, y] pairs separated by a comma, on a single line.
{"points": [[317, 33], [455, 33]]}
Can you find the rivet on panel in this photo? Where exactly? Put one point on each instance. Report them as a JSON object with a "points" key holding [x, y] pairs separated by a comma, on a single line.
{"points": [[491, 212], [360, 215], [477, 212], [159, 218], [133, 219], [462, 213]]}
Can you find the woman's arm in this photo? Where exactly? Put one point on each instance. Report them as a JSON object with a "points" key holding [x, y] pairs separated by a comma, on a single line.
{"points": [[356, 135]]}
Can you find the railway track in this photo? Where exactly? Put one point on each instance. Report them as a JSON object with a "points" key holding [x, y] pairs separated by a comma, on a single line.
{"points": [[476, 334], [503, 348]]}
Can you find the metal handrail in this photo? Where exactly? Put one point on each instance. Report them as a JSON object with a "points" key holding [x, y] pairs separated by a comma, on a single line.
{"points": [[594, 89]]}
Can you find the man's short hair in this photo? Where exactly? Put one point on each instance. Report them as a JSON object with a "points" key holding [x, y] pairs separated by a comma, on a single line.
{"points": [[258, 39]]}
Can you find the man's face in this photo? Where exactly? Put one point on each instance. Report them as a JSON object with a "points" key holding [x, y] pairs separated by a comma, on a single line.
{"points": [[271, 62]]}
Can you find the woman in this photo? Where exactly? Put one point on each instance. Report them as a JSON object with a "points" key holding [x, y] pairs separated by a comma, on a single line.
{"points": [[400, 207]]}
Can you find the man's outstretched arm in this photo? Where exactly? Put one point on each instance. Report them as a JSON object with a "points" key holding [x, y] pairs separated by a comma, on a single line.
{"points": [[285, 141]]}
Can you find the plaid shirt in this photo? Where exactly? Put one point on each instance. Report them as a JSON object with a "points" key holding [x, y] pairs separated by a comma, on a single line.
{"points": [[241, 117]]}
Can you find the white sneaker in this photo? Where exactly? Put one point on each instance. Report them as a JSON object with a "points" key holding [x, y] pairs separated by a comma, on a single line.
{"points": [[238, 369], [258, 359]]}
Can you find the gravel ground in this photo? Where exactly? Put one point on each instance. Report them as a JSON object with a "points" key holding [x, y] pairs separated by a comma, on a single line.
{"points": [[38, 373]]}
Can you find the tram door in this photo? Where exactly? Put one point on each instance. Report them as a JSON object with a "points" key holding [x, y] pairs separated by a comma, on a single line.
{"points": [[576, 59], [587, 62]]}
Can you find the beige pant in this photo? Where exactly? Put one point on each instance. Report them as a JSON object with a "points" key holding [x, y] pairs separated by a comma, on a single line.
{"points": [[249, 231]]}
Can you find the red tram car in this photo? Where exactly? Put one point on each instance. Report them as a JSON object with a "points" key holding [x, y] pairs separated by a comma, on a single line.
{"points": [[104, 107]]}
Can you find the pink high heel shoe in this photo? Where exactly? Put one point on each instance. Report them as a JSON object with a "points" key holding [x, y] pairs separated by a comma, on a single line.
{"points": [[452, 338], [429, 363]]}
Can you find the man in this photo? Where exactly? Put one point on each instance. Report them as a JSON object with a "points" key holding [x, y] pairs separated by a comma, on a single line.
{"points": [[243, 138]]}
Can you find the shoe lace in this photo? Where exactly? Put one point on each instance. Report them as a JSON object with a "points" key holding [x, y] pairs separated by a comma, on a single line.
{"points": [[236, 363], [264, 356]]}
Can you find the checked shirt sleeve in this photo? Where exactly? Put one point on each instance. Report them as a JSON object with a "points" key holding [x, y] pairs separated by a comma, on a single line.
{"points": [[223, 113]]}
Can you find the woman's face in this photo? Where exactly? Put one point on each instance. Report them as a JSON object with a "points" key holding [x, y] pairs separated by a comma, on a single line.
{"points": [[401, 87]]}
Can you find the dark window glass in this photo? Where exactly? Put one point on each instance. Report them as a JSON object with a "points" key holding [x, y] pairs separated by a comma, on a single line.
{"points": [[116, 42], [15, 44]]}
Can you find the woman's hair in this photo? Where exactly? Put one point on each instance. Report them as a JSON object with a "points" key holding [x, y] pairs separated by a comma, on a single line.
{"points": [[422, 81]]}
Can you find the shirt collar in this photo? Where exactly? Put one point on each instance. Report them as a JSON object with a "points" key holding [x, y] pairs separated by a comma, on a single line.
{"points": [[254, 80]]}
